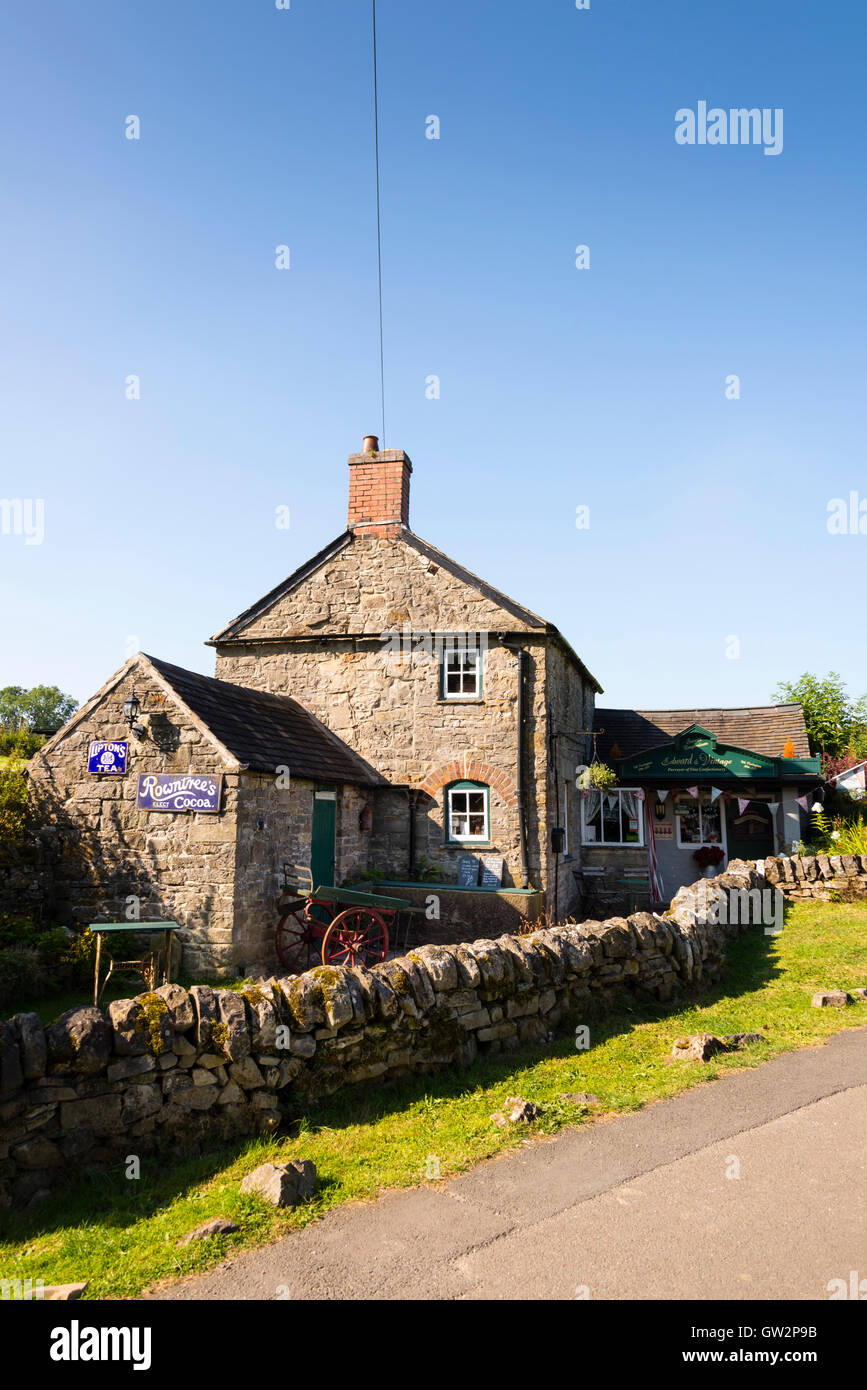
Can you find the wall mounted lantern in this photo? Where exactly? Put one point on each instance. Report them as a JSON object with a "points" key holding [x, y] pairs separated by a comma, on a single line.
{"points": [[659, 810], [131, 711]]}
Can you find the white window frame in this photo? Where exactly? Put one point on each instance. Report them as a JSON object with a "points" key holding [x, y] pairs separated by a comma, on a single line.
{"points": [[461, 653], [615, 844], [483, 839], [722, 842]]}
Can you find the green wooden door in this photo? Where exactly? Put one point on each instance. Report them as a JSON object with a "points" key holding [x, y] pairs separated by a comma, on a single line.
{"points": [[751, 835], [323, 840]]}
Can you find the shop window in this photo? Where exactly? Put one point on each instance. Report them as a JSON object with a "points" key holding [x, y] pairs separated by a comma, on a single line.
{"points": [[612, 817], [698, 821], [468, 812], [462, 673]]}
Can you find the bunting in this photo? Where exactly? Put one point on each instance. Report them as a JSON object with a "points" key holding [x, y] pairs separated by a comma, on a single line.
{"points": [[743, 801]]}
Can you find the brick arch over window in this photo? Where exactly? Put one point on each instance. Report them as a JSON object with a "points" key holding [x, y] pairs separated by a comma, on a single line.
{"points": [[469, 769]]}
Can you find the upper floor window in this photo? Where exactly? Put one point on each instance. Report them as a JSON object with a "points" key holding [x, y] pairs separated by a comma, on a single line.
{"points": [[468, 811], [462, 673], [612, 817]]}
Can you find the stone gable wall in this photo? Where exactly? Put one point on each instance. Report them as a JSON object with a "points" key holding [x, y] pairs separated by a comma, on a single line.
{"points": [[322, 644], [185, 1067], [180, 867], [375, 585]]}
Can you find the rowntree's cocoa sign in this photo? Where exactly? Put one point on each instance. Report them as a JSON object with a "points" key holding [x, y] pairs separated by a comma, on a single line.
{"points": [[173, 791]]}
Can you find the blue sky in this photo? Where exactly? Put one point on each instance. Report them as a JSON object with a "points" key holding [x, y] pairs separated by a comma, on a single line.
{"points": [[560, 387]]}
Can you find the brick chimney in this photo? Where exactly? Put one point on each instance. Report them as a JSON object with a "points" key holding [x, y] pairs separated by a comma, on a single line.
{"points": [[378, 490]]}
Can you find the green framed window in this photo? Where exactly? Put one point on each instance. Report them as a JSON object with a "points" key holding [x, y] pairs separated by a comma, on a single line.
{"points": [[468, 813], [462, 673]]}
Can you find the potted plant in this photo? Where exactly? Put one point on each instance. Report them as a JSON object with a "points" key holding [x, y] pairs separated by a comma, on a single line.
{"points": [[599, 776], [708, 858]]}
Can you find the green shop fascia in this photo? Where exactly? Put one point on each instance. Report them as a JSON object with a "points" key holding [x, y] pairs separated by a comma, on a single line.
{"points": [[747, 803]]}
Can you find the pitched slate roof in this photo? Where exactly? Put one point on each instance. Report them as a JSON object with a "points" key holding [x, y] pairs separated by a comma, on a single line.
{"points": [[265, 731], [759, 728], [233, 631]]}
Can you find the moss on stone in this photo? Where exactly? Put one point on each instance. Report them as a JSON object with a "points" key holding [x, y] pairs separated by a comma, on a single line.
{"points": [[220, 1037], [152, 1008]]}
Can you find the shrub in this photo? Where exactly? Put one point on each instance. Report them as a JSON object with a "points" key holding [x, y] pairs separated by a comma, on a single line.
{"points": [[21, 972], [36, 960], [19, 743], [13, 805], [838, 835]]}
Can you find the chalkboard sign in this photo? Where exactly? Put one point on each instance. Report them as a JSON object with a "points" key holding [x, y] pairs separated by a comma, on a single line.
{"points": [[468, 871], [492, 871]]}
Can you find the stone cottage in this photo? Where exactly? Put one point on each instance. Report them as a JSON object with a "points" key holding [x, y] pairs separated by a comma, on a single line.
{"points": [[383, 714], [383, 711], [474, 709], [206, 790]]}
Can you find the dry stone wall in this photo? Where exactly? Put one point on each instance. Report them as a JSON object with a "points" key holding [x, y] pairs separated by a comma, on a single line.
{"points": [[821, 876], [176, 1067]]}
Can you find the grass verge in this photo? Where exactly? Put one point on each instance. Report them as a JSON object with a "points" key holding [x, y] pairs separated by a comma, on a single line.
{"points": [[121, 1234]]}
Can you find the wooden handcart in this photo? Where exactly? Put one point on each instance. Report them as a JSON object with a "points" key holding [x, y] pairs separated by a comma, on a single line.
{"points": [[331, 926]]}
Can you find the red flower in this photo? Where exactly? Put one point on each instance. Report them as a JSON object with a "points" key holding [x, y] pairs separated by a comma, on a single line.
{"points": [[708, 854]]}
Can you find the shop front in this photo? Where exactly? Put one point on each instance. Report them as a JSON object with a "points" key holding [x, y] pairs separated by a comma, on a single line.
{"points": [[706, 802]]}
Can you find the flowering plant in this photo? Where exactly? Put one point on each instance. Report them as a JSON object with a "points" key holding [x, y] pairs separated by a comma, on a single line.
{"points": [[706, 855]]}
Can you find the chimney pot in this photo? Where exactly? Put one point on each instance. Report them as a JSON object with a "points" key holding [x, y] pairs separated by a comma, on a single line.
{"points": [[370, 444]]}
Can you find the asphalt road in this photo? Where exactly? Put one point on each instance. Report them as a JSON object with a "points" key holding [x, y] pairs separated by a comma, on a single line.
{"points": [[640, 1206]]}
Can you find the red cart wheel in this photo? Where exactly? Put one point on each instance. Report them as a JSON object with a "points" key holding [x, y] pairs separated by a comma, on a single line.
{"points": [[357, 936], [295, 942]]}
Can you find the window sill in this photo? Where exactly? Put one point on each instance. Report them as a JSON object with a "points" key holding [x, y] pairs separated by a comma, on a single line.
{"points": [[469, 700], [468, 844], [609, 844]]}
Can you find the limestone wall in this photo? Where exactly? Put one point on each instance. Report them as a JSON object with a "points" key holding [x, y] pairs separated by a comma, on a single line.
{"points": [[194, 1066], [180, 867], [822, 876], [27, 879], [570, 707], [389, 709]]}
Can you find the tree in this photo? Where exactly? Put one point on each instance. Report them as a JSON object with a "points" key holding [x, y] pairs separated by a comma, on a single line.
{"points": [[41, 707], [11, 712], [835, 723]]}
